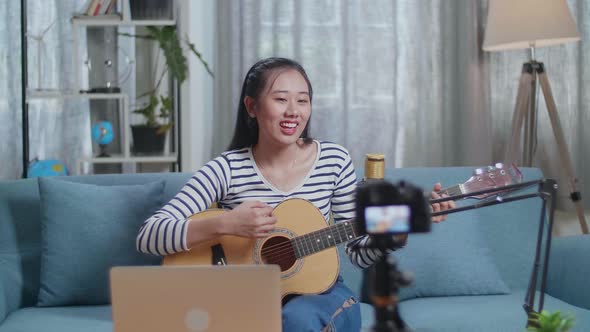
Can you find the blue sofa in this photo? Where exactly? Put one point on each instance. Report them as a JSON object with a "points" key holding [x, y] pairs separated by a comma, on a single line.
{"points": [[470, 272]]}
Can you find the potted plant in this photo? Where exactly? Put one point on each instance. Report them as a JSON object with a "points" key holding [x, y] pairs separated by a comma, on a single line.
{"points": [[149, 137], [551, 322]]}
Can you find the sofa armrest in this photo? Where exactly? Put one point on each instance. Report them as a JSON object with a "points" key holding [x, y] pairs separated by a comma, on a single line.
{"points": [[569, 268], [19, 281], [8, 292], [3, 312]]}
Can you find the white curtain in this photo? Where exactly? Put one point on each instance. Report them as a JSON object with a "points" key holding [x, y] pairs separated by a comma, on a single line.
{"points": [[58, 129], [405, 78], [399, 77]]}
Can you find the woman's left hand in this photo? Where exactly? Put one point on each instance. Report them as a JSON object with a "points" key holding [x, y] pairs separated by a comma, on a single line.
{"points": [[440, 206]]}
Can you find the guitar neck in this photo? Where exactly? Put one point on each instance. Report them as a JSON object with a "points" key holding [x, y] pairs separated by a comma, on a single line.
{"points": [[325, 238], [341, 232], [336, 234], [450, 191], [453, 190]]}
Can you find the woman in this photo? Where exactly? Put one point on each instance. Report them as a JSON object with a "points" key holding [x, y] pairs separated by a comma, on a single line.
{"points": [[271, 158]]}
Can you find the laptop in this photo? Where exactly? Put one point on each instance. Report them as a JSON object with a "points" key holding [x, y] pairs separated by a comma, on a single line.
{"points": [[196, 298]]}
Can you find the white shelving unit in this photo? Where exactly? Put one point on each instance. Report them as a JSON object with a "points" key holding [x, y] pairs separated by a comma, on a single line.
{"points": [[66, 94], [125, 132], [119, 22], [79, 26], [124, 155]]}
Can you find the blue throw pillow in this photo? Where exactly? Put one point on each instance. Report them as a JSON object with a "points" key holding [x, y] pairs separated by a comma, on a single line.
{"points": [[86, 229], [453, 259]]}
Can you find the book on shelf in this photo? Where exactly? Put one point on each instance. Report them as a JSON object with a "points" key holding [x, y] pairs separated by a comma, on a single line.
{"points": [[100, 7], [91, 7]]}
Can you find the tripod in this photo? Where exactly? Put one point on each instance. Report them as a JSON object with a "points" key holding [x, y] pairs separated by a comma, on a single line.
{"points": [[525, 97], [388, 279]]}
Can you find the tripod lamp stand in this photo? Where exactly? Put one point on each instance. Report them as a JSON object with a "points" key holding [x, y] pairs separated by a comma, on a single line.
{"points": [[528, 24]]}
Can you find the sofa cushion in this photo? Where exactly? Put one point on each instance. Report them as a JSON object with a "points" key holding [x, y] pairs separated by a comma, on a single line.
{"points": [[367, 317], [489, 313], [352, 275], [450, 260], [86, 229], [60, 319]]}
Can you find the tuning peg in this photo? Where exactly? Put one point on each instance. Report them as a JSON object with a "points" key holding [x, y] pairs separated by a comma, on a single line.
{"points": [[499, 165], [478, 171]]}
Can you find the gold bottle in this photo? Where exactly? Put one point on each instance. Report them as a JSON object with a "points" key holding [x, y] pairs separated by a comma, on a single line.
{"points": [[374, 166]]}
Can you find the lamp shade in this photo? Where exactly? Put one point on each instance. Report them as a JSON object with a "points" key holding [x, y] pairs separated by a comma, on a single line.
{"points": [[515, 24]]}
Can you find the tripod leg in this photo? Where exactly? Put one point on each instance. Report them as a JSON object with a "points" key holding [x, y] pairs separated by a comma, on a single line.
{"points": [[562, 148], [520, 111]]}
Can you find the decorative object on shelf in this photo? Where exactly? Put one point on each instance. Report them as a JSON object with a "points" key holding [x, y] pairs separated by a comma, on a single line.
{"points": [[50, 167], [103, 60], [124, 73], [103, 135], [159, 109]]}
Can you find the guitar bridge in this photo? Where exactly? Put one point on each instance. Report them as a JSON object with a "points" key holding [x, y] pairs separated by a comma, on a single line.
{"points": [[217, 255]]}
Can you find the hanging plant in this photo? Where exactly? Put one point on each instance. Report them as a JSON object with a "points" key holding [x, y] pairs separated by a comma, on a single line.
{"points": [[158, 112]]}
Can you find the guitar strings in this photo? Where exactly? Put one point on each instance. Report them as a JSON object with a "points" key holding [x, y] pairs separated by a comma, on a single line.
{"points": [[283, 250], [320, 232], [299, 242], [283, 255]]}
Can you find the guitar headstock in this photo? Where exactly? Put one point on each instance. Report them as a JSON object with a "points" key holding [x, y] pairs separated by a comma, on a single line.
{"points": [[496, 176]]}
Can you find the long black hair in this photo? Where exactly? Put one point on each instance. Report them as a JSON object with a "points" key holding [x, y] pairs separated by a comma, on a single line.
{"points": [[246, 131]]}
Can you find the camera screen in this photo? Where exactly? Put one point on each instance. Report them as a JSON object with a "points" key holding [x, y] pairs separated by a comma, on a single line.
{"points": [[387, 219]]}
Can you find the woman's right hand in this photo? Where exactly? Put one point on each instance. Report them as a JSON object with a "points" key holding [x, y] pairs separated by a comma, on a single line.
{"points": [[253, 219]]}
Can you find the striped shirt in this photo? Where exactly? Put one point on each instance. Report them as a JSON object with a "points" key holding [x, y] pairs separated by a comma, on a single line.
{"points": [[233, 178]]}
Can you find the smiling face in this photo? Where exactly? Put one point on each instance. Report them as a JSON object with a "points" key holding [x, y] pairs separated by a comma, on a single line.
{"points": [[283, 108]]}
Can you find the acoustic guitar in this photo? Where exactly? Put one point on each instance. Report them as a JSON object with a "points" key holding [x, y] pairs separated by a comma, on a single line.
{"points": [[303, 245]]}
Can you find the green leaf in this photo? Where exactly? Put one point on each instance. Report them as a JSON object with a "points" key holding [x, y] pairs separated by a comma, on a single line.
{"points": [[166, 110], [551, 322], [191, 46], [175, 59], [176, 65], [149, 112]]}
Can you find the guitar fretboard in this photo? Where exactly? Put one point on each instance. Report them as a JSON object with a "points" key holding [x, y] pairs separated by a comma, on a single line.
{"points": [[313, 242], [453, 190]]}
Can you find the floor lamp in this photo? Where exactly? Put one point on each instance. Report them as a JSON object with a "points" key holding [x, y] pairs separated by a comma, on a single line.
{"points": [[528, 24]]}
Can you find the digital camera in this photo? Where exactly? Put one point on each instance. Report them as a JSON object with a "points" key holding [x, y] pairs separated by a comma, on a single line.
{"points": [[384, 209]]}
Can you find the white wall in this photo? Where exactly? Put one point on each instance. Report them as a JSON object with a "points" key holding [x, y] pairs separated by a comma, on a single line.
{"points": [[197, 21]]}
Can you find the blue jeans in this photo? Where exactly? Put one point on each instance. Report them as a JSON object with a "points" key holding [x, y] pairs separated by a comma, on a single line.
{"points": [[336, 310]]}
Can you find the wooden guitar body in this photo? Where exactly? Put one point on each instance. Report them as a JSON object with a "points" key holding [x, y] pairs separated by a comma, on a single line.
{"points": [[300, 274]]}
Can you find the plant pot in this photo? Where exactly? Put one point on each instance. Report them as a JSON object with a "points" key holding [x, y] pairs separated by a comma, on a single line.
{"points": [[147, 140]]}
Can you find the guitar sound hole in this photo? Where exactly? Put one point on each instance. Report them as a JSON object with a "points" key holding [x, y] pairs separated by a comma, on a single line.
{"points": [[278, 250]]}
